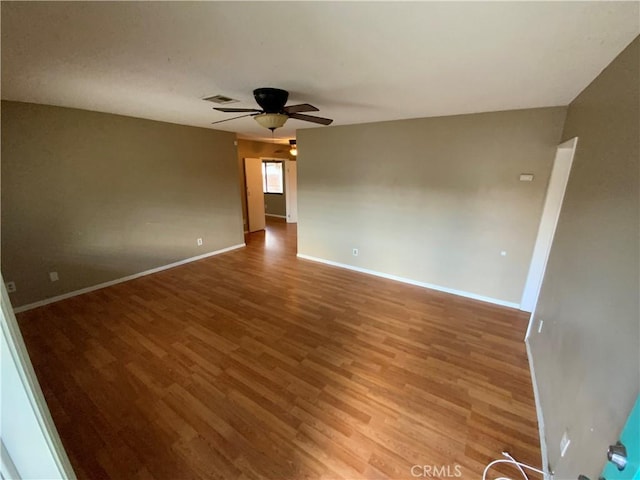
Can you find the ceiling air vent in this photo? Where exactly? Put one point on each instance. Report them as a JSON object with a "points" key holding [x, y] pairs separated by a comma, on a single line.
{"points": [[220, 99]]}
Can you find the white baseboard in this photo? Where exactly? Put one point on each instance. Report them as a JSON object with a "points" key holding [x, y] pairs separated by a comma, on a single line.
{"points": [[412, 282], [541, 430], [75, 293], [276, 216]]}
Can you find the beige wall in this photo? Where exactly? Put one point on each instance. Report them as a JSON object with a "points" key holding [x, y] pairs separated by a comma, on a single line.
{"points": [[433, 200], [97, 197], [275, 203], [253, 149], [587, 357]]}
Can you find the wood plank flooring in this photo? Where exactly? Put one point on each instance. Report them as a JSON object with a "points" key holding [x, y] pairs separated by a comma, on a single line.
{"points": [[257, 365]]}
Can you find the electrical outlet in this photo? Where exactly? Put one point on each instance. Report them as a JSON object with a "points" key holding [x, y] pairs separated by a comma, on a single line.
{"points": [[540, 326], [53, 276], [564, 443], [199, 242], [355, 252], [11, 287]]}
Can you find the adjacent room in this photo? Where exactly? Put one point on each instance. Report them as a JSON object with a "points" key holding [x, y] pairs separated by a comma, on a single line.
{"points": [[320, 240]]}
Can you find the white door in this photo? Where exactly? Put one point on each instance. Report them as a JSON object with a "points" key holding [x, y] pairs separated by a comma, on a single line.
{"points": [[30, 446], [291, 190], [548, 223], [255, 194]]}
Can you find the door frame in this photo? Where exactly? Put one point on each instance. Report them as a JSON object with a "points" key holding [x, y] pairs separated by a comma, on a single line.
{"points": [[558, 180], [291, 190], [39, 429]]}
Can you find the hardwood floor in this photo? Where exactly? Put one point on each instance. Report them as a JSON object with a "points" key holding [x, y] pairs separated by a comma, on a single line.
{"points": [[255, 364]]}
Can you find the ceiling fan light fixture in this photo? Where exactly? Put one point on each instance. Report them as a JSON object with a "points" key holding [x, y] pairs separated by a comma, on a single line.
{"points": [[274, 111], [271, 120]]}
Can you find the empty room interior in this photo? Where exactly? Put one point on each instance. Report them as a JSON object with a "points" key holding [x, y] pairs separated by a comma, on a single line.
{"points": [[320, 240]]}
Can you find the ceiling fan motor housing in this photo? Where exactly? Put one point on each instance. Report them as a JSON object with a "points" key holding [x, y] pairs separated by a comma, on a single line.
{"points": [[272, 100]]}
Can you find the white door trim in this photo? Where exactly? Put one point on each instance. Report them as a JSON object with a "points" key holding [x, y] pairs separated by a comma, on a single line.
{"points": [[291, 190], [548, 223], [544, 451], [7, 467], [45, 432]]}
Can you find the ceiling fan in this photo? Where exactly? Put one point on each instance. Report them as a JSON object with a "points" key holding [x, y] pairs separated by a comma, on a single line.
{"points": [[274, 113], [292, 150]]}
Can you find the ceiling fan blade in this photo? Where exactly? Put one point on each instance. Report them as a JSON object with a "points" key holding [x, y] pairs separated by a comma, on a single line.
{"points": [[223, 109], [309, 118], [303, 107], [233, 118]]}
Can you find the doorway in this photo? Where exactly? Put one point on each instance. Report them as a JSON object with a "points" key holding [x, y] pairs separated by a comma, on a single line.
{"points": [[268, 196], [548, 222]]}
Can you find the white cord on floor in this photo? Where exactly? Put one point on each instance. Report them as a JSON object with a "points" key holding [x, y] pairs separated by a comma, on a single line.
{"points": [[512, 461]]}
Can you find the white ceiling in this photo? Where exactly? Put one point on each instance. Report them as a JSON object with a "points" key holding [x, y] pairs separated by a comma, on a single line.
{"points": [[358, 62]]}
